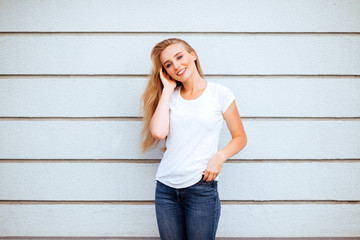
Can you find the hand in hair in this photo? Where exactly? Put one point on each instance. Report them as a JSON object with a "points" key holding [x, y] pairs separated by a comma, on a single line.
{"points": [[166, 80]]}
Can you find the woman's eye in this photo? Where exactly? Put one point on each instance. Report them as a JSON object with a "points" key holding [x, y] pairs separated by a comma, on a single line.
{"points": [[179, 57]]}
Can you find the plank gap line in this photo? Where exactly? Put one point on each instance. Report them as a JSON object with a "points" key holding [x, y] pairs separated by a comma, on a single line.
{"points": [[152, 202], [152, 161], [24, 33], [130, 118], [82, 75]]}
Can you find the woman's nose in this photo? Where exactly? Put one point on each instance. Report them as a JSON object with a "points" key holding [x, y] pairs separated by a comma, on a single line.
{"points": [[176, 65]]}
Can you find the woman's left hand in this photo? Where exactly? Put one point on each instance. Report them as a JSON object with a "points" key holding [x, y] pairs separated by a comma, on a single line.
{"points": [[214, 166]]}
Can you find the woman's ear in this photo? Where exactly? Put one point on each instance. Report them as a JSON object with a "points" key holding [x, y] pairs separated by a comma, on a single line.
{"points": [[194, 55]]}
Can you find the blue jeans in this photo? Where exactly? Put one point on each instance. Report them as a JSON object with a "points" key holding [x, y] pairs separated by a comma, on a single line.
{"points": [[190, 213]]}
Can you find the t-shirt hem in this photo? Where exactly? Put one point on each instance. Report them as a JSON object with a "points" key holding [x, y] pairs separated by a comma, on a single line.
{"points": [[178, 186], [183, 185]]}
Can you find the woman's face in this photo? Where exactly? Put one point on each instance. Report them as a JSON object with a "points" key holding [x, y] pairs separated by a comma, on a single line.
{"points": [[178, 62]]}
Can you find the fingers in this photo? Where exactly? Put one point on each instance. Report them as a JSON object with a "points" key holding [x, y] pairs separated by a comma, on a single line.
{"points": [[208, 176], [166, 79], [165, 74], [161, 72], [211, 177]]}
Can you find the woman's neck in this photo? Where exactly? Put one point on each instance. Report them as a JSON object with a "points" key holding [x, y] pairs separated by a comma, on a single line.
{"points": [[194, 84]]}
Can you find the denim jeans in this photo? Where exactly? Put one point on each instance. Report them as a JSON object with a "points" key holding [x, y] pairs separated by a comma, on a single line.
{"points": [[190, 213]]}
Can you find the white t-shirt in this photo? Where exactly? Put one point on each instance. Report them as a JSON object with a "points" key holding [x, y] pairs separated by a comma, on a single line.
{"points": [[194, 135]]}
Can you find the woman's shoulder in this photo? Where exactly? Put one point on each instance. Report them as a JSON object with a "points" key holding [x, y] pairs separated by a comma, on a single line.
{"points": [[215, 86], [221, 90]]}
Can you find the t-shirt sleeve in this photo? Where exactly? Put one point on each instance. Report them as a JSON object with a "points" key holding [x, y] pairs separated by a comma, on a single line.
{"points": [[226, 97]]}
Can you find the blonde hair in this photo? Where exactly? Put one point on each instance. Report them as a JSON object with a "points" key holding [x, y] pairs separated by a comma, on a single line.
{"points": [[151, 96]]}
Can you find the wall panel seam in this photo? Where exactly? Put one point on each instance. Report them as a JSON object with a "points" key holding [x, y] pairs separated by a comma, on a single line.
{"points": [[130, 119], [152, 202], [170, 32], [152, 161]]}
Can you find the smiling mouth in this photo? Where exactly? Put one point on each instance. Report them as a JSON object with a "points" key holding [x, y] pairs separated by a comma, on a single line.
{"points": [[181, 72]]}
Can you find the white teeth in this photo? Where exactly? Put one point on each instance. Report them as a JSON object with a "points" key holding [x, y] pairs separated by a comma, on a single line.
{"points": [[181, 71]]}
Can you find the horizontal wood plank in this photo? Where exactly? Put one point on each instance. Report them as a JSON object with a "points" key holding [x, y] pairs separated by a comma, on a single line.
{"points": [[114, 139], [202, 16], [120, 96], [218, 53], [136, 181], [289, 220]]}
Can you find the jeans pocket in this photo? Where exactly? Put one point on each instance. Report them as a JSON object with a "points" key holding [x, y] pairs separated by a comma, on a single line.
{"points": [[203, 182]]}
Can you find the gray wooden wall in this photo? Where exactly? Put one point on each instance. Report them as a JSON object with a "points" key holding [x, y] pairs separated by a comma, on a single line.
{"points": [[71, 77]]}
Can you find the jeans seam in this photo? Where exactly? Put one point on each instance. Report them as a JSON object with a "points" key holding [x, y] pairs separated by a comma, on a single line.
{"points": [[215, 217]]}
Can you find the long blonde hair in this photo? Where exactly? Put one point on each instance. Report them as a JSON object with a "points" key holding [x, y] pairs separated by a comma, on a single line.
{"points": [[151, 96]]}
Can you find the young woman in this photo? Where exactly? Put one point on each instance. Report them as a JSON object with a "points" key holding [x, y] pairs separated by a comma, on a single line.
{"points": [[187, 111]]}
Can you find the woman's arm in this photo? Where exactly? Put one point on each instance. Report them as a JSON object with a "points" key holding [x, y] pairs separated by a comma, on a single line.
{"points": [[160, 121], [236, 128], [237, 143]]}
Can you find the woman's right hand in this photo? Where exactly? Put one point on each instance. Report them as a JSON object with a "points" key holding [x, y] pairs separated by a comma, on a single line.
{"points": [[167, 81]]}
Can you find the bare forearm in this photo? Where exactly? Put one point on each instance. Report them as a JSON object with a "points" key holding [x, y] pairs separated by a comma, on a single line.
{"points": [[216, 162], [160, 121], [234, 146]]}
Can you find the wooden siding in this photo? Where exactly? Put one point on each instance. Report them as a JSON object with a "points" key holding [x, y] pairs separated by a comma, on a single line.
{"points": [[71, 77]]}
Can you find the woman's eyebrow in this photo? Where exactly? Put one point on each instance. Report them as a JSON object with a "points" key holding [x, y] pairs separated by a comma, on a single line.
{"points": [[168, 60]]}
